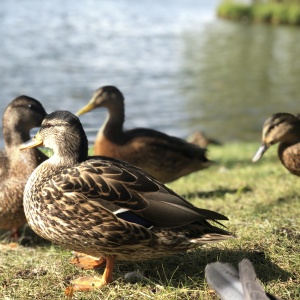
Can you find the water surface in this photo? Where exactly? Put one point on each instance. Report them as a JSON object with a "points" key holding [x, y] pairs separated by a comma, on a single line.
{"points": [[179, 67]]}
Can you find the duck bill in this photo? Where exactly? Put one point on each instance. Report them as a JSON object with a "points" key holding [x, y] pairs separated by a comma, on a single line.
{"points": [[34, 142], [90, 106], [260, 152]]}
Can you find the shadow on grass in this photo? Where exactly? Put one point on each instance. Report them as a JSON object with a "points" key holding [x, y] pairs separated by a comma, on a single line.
{"points": [[246, 162], [218, 193], [188, 269], [27, 238]]}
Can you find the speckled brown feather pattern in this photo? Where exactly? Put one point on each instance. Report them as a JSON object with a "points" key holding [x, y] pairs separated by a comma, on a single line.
{"points": [[290, 156], [75, 204], [21, 115], [283, 128], [16, 169], [165, 157]]}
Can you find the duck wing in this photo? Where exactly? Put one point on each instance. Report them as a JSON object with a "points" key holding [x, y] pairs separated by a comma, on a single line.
{"points": [[122, 188], [161, 140]]}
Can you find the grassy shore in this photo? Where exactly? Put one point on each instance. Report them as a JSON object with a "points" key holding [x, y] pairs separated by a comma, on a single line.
{"points": [[262, 203], [273, 12]]}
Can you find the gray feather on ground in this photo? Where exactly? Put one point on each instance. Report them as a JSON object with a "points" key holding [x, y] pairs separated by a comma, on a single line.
{"points": [[230, 284]]}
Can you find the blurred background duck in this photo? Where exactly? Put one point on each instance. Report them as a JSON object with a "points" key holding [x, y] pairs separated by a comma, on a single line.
{"points": [[106, 208], [20, 116], [202, 140], [165, 157], [282, 128]]}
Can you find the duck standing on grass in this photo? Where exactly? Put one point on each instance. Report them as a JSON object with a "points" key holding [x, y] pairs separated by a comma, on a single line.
{"points": [[107, 208], [20, 116], [282, 128], [165, 157]]}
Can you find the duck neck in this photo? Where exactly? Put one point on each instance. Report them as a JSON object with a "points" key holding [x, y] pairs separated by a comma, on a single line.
{"points": [[15, 136], [113, 126], [62, 161], [69, 151], [292, 136]]}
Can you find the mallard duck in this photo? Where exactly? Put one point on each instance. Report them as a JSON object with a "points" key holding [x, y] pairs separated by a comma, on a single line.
{"points": [[107, 208], [282, 128], [199, 138], [20, 116], [165, 157], [231, 284]]}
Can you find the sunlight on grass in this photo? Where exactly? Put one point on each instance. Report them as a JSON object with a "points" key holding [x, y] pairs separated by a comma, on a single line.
{"points": [[261, 201]]}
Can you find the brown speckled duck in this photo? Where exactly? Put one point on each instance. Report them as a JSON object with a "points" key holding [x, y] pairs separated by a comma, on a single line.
{"points": [[282, 128], [20, 116], [107, 208], [165, 157]]}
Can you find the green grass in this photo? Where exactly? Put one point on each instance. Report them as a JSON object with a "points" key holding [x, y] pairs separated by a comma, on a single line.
{"points": [[262, 203], [234, 11], [287, 12]]}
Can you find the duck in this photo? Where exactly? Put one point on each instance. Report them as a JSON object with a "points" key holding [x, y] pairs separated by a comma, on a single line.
{"points": [[282, 128], [106, 208], [200, 138], [20, 116], [165, 157], [232, 284]]}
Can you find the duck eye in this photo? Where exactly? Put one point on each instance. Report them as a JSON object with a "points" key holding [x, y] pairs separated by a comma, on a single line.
{"points": [[32, 107], [271, 127], [47, 125]]}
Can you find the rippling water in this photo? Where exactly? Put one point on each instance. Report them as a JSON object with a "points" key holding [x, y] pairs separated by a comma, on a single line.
{"points": [[179, 68]]}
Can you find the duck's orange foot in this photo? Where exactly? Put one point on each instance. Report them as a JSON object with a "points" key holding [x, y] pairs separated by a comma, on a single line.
{"points": [[85, 284], [90, 283], [87, 262], [9, 247]]}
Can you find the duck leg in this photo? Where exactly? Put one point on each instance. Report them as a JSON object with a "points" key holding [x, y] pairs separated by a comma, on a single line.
{"points": [[14, 233], [87, 262], [107, 275], [93, 282]]}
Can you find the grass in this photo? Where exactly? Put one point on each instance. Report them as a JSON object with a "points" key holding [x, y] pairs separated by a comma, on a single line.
{"points": [[262, 203], [286, 12], [234, 11]]}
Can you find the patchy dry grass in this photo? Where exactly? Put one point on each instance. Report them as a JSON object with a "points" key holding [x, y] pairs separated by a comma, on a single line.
{"points": [[262, 203]]}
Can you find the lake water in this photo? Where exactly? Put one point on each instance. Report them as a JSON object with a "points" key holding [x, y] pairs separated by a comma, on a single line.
{"points": [[179, 67]]}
